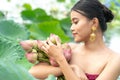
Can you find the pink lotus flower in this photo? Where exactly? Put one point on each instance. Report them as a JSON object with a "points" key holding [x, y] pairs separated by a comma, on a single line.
{"points": [[53, 62], [67, 51], [31, 57], [27, 45], [36, 55], [52, 38], [34, 46]]}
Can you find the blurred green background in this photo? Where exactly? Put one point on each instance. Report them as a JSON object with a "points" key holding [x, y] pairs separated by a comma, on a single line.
{"points": [[35, 19]]}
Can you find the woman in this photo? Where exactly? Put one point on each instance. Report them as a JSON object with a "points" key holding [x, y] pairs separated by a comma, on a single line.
{"points": [[94, 60]]}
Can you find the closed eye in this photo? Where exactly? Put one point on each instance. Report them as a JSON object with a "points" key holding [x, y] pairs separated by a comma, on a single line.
{"points": [[75, 20]]}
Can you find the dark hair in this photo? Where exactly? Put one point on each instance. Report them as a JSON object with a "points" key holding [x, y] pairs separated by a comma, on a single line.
{"points": [[93, 8]]}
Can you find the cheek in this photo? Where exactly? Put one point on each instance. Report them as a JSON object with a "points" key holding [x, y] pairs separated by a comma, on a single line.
{"points": [[84, 30], [83, 27]]}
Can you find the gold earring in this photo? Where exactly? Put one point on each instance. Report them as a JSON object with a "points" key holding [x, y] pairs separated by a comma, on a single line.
{"points": [[93, 35]]}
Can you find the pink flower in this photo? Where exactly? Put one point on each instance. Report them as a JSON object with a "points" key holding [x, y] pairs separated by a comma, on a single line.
{"points": [[53, 62], [27, 45], [52, 38], [67, 51], [31, 57]]}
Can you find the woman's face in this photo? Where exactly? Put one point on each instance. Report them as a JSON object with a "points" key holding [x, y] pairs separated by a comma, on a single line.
{"points": [[81, 26]]}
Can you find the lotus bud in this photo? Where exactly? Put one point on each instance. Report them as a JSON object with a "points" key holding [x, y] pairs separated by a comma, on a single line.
{"points": [[53, 62], [35, 44], [52, 38], [28, 45], [31, 57], [67, 51]]}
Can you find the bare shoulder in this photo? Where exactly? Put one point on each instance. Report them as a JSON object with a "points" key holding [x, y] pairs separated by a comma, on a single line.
{"points": [[115, 61], [113, 66], [115, 57]]}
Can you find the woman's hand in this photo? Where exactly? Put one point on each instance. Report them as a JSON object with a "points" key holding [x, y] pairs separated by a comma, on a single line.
{"points": [[53, 50]]}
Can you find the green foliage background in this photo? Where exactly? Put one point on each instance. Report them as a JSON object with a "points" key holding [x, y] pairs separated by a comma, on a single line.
{"points": [[37, 24]]}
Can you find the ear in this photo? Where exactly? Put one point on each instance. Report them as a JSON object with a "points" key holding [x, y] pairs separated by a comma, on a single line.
{"points": [[95, 22]]}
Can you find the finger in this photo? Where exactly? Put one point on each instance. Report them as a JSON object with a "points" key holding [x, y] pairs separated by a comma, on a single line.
{"points": [[58, 41], [44, 49], [40, 44], [49, 41], [45, 44]]}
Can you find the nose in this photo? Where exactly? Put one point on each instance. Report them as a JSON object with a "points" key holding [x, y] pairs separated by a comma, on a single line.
{"points": [[72, 27]]}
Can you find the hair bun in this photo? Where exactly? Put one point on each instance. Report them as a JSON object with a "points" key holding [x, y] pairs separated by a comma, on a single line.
{"points": [[107, 14]]}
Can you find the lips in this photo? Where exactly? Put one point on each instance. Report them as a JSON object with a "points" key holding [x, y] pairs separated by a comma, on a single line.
{"points": [[74, 34]]}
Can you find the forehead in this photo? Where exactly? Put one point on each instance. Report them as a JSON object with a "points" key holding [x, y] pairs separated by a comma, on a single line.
{"points": [[75, 14]]}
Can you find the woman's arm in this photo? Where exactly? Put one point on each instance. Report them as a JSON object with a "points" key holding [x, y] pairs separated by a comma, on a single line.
{"points": [[67, 71], [56, 52], [112, 70], [42, 70]]}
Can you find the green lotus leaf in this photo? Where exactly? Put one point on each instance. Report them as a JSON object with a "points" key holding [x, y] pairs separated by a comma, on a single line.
{"points": [[27, 6], [43, 30], [13, 30], [36, 15], [10, 50], [12, 71]]}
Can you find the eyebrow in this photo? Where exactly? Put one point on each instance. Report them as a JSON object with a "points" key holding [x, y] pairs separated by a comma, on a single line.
{"points": [[74, 18]]}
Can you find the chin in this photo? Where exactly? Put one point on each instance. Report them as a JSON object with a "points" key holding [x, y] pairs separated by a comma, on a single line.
{"points": [[77, 40]]}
